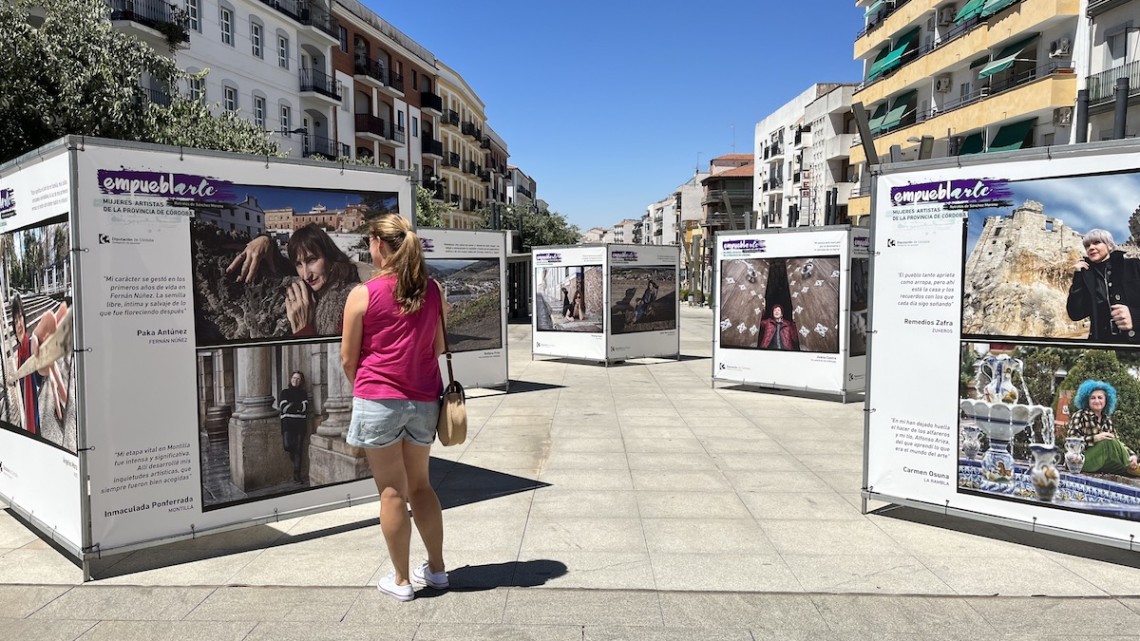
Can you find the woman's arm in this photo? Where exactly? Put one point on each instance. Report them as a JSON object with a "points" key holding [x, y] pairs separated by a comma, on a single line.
{"points": [[440, 338], [353, 331]]}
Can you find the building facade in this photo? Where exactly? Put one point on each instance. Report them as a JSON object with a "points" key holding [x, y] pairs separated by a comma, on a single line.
{"points": [[1110, 37], [975, 76]]}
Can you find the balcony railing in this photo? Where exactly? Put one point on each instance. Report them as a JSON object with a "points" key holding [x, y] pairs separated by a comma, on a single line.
{"points": [[452, 159], [1006, 82], [470, 167], [483, 175], [467, 128], [524, 191], [157, 96], [432, 147], [485, 143], [880, 16], [372, 68], [399, 135], [1102, 86], [455, 199], [450, 117], [396, 81], [156, 14], [369, 124], [320, 82], [429, 100], [307, 13], [321, 146]]}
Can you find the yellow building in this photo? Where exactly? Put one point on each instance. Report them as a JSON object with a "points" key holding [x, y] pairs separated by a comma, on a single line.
{"points": [[978, 76]]}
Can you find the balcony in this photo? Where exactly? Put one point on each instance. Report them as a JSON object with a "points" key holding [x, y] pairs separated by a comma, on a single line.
{"points": [[483, 175], [1097, 7], [467, 128], [469, 167], [431, 102], [454, 199], [369, 126], [156, 15], [485, 143], [398, 135], [393, 84], [317, 83], [433, 148], [838, 146], [324, 147], [1102, 86], [309, 14], [450, 117], [525, 192], [158, 97], [368, 72], [452, 159]]}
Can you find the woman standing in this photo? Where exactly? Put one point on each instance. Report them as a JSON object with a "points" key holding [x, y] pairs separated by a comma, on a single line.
{"points": [[1104, 290], [393, 336], [1096, 401], [293, 403]]}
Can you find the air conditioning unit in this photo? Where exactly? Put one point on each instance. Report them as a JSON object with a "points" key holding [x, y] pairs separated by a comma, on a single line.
{"points": [[1060, 48], [942, 84], [946, 15], [1063, 116], [953, 145]]}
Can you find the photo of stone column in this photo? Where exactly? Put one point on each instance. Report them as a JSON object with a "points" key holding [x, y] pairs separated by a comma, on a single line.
{"points": [[291, 406]]}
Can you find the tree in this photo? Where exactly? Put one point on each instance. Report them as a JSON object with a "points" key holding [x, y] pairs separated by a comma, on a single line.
{"points": [[538, 227], [429, 212], [70, 72]]}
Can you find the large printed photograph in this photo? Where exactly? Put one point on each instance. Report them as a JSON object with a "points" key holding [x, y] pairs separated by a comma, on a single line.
{"points": [[783, 304], [474, 302], [1059, 262], [278, 263], [860, 292], [36, 281], [1051, 426], [272, 420], [569, 299], [643, 299]]}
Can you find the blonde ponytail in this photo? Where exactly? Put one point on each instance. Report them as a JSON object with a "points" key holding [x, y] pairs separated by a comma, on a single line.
{"points": [[406, 260]]}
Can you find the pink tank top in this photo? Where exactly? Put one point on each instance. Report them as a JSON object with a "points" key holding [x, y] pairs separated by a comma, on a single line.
{"points": [[397, 350]]}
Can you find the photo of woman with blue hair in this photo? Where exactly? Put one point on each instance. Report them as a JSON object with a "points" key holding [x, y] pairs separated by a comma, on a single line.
{"points": [[1104, 453]]}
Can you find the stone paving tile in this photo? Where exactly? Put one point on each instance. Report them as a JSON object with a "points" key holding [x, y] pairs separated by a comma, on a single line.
{"points": [[275, 604], [459, 632], [656, 480], [470, 607], [588, 480], [172, 631], [332, 631], [586, 461], [583, 534], [1114, 579], [291, 565], [827, 538], [557, 503], [109, 603], [39, 564], [706, 536], [805, 506], [586, 570], [771, 460], [586, 444], [790, 482], [736, 572], [669, 461], [159, 567], [581, 607], [678, 504], [758, 612], [626, 633], [975, 576], [13, 534], [43, 630], [664, 445], [894, 573], [898, 614], [19, 601], [1029, 617]]}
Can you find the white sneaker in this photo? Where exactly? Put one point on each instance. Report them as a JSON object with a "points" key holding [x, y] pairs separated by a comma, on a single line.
{"points": [[388, 586], [424, 576]]}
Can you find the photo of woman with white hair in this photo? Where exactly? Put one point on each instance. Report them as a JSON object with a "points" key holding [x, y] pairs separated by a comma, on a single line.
{"points": [[1106, 290]]}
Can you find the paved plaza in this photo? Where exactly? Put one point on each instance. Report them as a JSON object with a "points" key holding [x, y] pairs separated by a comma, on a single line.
{"points": [[630, 502]]}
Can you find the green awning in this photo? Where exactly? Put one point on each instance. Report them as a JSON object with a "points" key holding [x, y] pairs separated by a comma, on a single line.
{"points": [[876, 121], [979, 62], [898, 110], [971, 9], [1012, 136], [971, 145], [993, 6], [894, 58], [1007, 56], [874, 7]]}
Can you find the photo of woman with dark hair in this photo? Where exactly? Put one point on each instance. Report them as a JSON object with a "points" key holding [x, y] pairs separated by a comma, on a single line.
{"points": [[293, 404], [324, 274]]}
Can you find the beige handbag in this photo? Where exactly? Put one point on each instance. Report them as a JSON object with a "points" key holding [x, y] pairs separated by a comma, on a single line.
{"points": [[452, 426]]}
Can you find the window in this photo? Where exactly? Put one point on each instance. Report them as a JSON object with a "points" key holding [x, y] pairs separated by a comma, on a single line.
{"points": [[415, 127], [198, 89], [192, 20], [259, 111], [282, 52], [226, 22], [255, 40], [231, 98], [344, 40], [340, 90], [400, 120], [1115, 49], [286, 120]]}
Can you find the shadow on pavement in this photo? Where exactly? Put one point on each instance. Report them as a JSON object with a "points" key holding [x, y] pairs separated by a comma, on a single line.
{"points": [[511, 574], [460, 484]]}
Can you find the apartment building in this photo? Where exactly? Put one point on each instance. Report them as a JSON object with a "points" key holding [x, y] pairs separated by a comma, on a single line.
{"points": [[661, 222], [728, 192], [595, 235], [976, 76], [521, 188], [783, 161], [623, 231], [1111, 36], [827, 175]]}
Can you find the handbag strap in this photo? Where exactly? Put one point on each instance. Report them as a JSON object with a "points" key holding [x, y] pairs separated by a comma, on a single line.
{"points": [[446, 345]]}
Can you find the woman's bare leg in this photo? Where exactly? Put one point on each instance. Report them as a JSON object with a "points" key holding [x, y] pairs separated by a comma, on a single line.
{"points": [[387, 465], [426, 510]]}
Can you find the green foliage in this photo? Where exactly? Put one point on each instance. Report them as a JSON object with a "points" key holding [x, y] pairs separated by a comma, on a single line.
{"points": [[684, 293], [429, 212], [538, 227], [1103, 365], [481, 306], [67, 71]]}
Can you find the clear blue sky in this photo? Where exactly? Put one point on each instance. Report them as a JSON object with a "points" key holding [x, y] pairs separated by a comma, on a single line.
{"points": [[607, 105]]}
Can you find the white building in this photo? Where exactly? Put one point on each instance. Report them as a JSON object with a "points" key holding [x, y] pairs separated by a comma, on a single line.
{"points": [[1104, 51], [828, 177], [623, 231], [782, 161]]}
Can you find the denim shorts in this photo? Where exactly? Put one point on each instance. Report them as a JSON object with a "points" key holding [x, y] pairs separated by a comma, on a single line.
{"points": [[381, 423]]}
